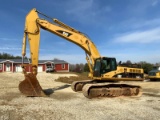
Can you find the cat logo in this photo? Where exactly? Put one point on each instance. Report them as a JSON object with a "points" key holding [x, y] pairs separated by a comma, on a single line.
{"points": [[64, 33]]}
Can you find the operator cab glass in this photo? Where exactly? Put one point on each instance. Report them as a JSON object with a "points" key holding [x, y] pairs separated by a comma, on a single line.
{"points": [[155, 70], [104, 65]]}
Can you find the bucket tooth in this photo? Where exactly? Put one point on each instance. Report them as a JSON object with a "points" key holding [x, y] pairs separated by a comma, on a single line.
{"points": [[31, 87]]}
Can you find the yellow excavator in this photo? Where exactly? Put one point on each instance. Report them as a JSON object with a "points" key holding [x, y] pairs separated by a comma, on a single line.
{"points": [[103, 70], [154, 74]]}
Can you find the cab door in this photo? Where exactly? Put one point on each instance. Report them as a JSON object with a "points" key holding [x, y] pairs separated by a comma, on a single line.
{"points": [[97, 68]]}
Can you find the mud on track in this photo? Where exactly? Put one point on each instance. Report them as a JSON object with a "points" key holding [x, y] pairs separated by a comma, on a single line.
{"points": [[64, 104]]}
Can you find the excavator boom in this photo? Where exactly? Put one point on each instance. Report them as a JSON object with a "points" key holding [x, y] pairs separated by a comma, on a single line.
{"points": [[33, 25]]}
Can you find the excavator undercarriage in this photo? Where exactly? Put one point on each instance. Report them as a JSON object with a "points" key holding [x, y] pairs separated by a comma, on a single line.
{"points": [[94, 88]]}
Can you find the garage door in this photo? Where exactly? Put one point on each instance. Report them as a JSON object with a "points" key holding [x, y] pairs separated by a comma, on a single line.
{"points": [[40, 69], [18, 69]]}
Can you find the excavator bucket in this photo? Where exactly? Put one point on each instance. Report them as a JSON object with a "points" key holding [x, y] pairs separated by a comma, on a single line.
{"points": [[31, 87]]}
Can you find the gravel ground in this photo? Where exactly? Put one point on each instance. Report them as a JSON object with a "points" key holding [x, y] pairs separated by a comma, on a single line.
{"points": [[64, 104]]}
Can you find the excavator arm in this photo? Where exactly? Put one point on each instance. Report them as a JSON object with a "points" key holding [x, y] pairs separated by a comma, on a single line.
{"points": [[33, 25]]}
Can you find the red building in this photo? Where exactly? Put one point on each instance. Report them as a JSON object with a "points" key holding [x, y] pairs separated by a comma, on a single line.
{"points": [[14, 65]]}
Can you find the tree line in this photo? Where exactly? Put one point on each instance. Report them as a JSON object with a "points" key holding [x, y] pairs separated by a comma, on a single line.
{"points": [[8, 56], [79, 67]]}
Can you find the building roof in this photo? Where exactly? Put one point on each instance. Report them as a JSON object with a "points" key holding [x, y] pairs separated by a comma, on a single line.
{"points": [[13, 60], [27, 61], [53, 61]]}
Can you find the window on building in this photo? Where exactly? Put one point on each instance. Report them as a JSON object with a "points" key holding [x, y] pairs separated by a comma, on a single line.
{"points": [[63, 66], [0, 66]]}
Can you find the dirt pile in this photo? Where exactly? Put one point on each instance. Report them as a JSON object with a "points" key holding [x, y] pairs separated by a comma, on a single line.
{"points": [[72, 79]]}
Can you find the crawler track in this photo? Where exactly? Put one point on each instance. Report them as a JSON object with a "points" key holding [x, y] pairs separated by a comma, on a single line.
{"points": [[78, 85], [110, 90], [91, 89]]}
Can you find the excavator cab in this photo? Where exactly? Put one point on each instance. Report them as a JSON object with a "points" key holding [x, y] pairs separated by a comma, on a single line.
{"points": [[104, 65]]}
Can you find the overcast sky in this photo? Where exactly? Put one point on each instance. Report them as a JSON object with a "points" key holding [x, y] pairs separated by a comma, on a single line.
{"points": [[124, 29]]}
